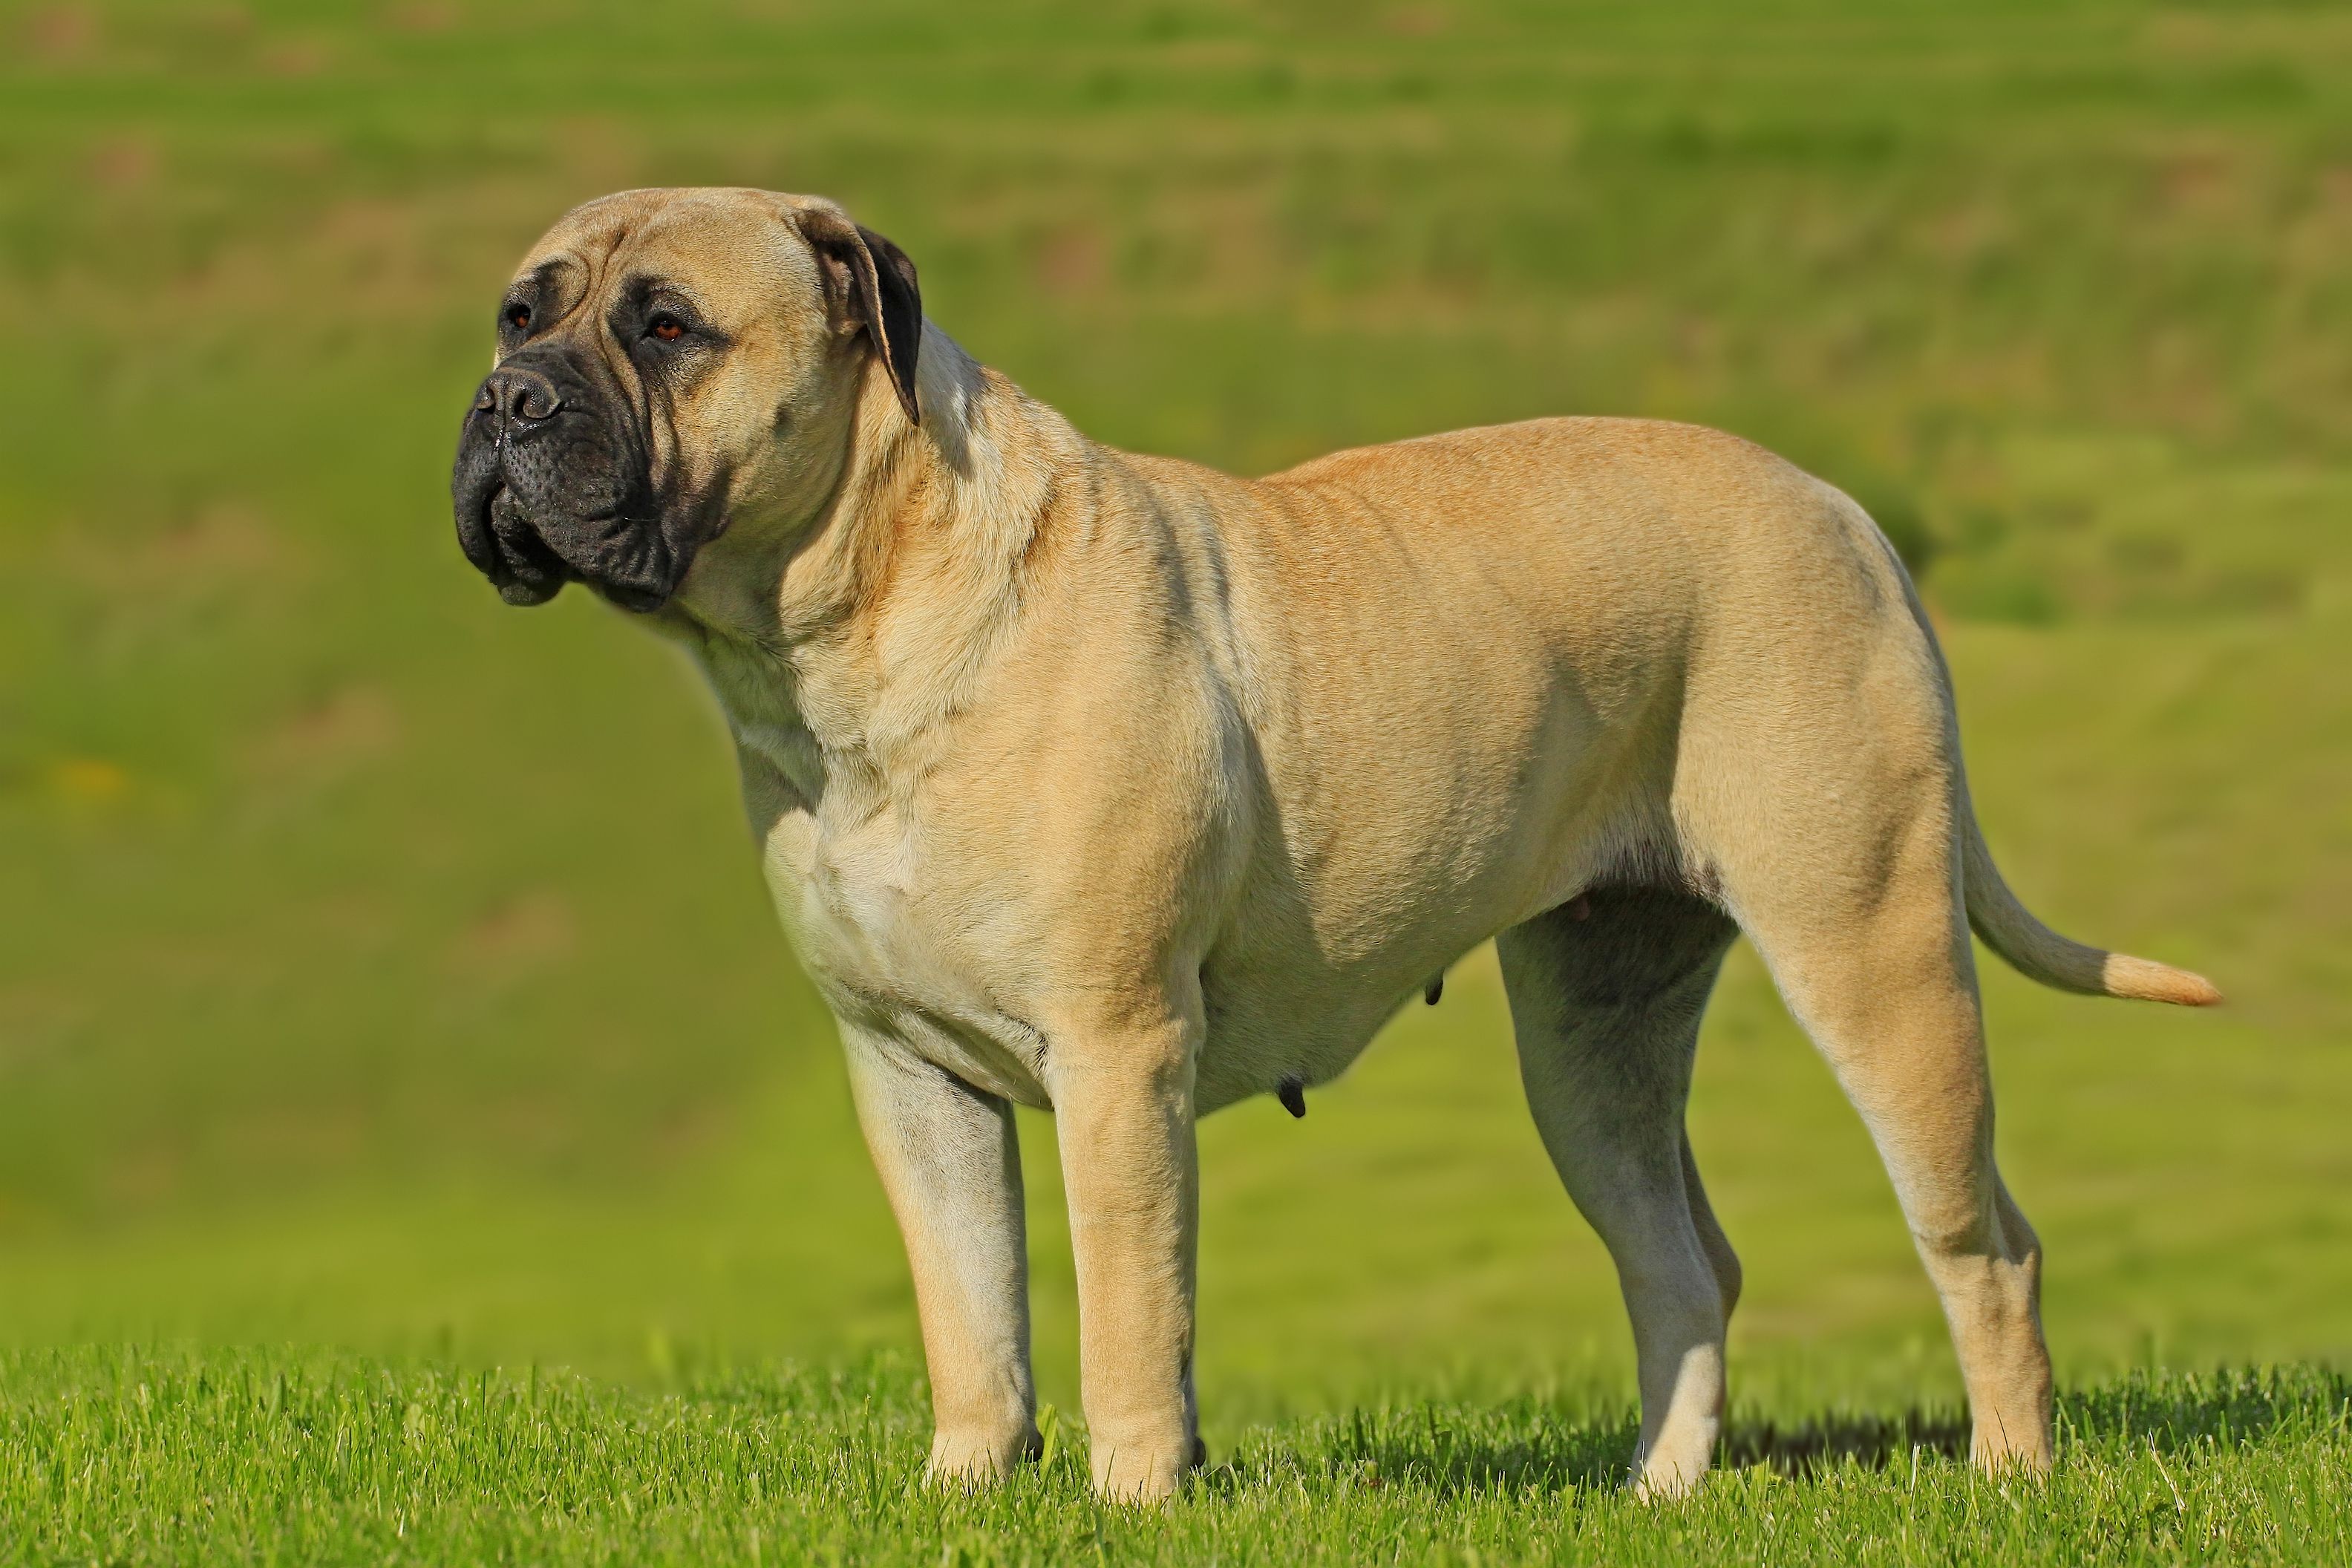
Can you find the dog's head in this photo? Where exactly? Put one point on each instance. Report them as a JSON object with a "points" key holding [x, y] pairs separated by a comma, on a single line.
{"points": [[665, 360]]}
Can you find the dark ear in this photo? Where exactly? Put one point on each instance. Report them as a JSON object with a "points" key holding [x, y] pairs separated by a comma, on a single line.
{"points": [[876, 286]]}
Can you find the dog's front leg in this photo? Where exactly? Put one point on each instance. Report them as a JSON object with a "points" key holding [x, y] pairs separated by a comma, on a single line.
{"points": [[950, 1163], [1123, 1116]]}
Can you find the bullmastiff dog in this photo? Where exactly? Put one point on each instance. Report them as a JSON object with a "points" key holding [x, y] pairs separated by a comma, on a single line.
{"points": [[1114, 785]]}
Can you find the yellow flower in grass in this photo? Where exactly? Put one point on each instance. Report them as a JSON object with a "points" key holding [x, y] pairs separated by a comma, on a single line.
{"points": [[89, 780]]}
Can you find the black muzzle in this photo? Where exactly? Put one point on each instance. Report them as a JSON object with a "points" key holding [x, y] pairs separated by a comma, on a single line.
{"points": [[552, 483]]}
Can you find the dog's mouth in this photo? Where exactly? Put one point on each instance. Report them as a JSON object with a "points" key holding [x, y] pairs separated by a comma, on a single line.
{"points": [[522, 567], [642, 601], [528, 570], [548, 506]]}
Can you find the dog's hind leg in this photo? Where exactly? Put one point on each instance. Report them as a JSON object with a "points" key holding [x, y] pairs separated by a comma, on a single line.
{"points": [[1864, 931], [1606, 993]]}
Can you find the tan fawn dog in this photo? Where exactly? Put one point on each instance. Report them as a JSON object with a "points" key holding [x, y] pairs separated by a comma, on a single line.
{"points": [[1118, 786]]}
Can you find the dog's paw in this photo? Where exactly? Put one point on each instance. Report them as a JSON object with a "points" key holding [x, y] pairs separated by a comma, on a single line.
{"points": [[1144, 1472], [1997, 1452], [979, 1458], [1674, 1468]]}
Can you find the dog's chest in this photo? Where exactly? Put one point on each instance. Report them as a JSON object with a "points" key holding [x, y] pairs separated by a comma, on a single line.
{"points": [[846, 894], [890, 954], [873, 919], [881, 930]]}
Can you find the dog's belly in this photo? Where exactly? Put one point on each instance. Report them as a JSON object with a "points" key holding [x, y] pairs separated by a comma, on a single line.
{"points": [[1298, 986], [1259, 1036], [1281, 1007], [1370, 890]]}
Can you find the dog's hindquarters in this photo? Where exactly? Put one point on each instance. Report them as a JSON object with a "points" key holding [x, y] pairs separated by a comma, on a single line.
{"points": [[1820, 783]]}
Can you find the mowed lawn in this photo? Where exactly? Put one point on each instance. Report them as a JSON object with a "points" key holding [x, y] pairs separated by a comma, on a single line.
{"points": [[388, 1002], [120, 1455]]}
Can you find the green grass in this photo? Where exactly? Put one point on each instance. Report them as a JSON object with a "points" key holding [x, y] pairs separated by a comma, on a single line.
{"points": [[169, 1455], [385, 970]]}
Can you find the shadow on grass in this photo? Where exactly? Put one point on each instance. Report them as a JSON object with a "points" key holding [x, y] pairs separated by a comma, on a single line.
{"points": [[1448, 1449], [1805, 1448], [1597, 1454], [2169, 1411], [1452, 1449], [2172, 1411]]}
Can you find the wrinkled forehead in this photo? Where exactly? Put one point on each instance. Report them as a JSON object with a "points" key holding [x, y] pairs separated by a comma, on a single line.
{"points": [[722, 246]]}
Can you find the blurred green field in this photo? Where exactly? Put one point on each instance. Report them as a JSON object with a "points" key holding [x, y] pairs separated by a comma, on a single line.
{"points": [[386, 969]]}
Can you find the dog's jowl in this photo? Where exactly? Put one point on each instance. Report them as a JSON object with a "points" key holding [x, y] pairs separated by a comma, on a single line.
{"points": [[1115, 785]]}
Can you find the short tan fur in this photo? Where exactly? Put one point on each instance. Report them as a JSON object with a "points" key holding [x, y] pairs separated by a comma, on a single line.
{"points": [[1116, 785]]}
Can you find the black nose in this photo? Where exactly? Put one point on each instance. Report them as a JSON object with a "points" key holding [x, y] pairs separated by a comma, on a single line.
{"points": [[520, 393]]}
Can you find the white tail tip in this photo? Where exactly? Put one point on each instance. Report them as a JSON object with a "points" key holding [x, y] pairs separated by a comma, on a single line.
{"points": [[2124, 975]]}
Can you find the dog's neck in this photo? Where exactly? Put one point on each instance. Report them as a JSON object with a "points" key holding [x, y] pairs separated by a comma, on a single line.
{"points": [[850, 646]]}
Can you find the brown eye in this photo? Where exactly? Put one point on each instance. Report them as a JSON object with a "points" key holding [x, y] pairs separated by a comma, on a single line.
{"points": [[669, 329], [519, 316]]}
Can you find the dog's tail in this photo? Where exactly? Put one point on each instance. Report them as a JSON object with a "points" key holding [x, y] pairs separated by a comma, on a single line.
{"points": [[2036, 951]]}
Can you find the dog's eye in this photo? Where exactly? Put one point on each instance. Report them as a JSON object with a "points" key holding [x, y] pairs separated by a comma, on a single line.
{"points": [[667, 328], [519, 316]]}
